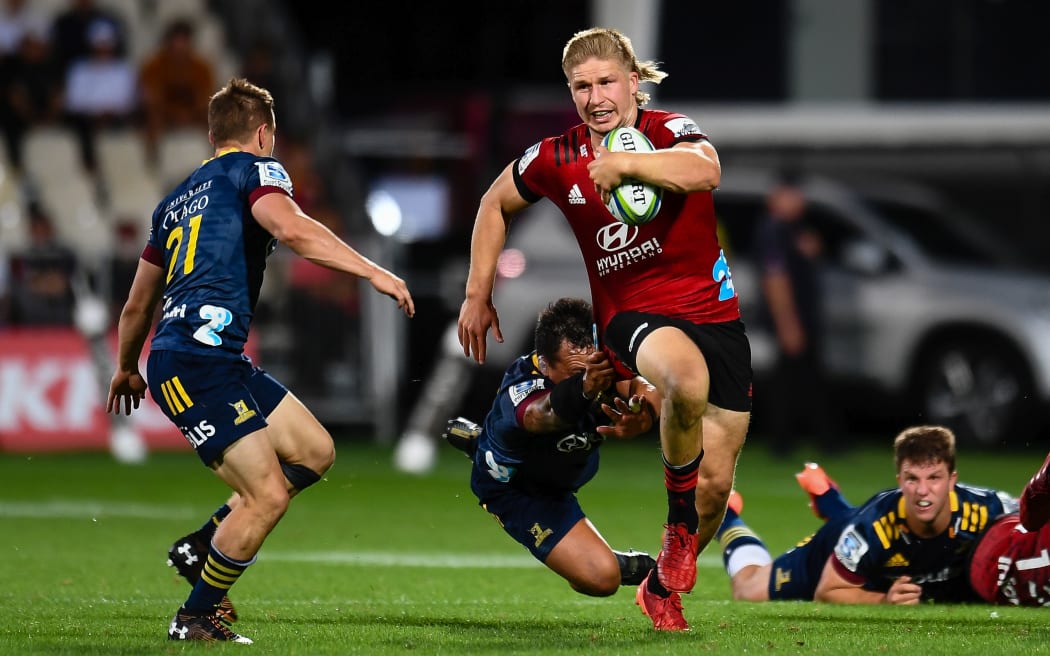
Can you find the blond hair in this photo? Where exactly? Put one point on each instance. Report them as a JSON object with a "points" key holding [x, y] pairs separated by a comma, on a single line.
{"points": [[606, 43]]}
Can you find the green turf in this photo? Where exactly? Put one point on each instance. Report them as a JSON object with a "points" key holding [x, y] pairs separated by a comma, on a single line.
{"points": [[371, 561]]}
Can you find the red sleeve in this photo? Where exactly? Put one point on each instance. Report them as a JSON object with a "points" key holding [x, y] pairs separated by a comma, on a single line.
{"points": [[262, 190], [153, 255], [519, 411], [851, 577]]}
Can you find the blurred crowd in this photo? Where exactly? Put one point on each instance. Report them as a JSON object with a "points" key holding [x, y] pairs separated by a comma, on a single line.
{"points": [[103, 107]]}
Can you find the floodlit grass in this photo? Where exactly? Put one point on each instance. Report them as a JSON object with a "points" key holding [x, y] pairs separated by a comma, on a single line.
{"points": [[371, 561]]}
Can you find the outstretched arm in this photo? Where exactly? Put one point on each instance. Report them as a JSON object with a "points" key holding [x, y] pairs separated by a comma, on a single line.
{"points": [[477, 314], [282, 217]]}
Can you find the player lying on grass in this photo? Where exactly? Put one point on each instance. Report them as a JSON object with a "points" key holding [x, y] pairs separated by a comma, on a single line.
{"points": [[539, 445], [904, 545]]}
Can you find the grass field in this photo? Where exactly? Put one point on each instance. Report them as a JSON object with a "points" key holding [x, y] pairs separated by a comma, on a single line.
{"points": [[372, 561]]}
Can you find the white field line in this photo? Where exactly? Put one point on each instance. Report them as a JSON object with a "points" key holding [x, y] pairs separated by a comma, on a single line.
{"points": [[88, 509], [440, 560]]}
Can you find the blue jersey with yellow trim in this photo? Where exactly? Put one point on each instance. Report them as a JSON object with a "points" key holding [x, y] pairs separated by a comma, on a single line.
{"points": [[213, 253], [548, 463], [878, 547]]}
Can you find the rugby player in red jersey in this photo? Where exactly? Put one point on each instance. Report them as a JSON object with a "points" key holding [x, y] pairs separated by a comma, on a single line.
{"points": [[1011, 564], [662, 292]]}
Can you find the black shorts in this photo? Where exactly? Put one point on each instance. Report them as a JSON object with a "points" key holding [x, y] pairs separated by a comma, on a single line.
{"points": [[725, 347]]}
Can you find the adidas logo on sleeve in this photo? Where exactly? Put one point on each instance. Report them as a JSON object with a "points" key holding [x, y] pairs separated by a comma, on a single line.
{"points": [[576, 196]]}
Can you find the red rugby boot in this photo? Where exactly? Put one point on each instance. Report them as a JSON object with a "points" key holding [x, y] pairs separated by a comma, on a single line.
{"points": [[676, 562], [665, 612]]}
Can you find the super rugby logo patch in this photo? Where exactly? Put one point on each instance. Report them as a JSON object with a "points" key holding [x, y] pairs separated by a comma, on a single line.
{"points": [[272, 174], [851, 548], [520, 391], [527, 158]]}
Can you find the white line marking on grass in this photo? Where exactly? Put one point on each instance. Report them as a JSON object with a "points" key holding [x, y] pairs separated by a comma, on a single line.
{"points": [[88, 509], [440, 560]]}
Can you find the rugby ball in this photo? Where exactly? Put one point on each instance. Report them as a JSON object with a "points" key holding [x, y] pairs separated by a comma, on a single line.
{"points": [[633, 202]]}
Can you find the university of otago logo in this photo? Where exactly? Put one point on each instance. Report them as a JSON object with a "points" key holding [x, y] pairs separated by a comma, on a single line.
{"points": [[244, 413], [539, 533]]}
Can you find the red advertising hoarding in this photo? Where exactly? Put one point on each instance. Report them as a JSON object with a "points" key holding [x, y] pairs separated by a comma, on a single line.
{"points": [[52, 397]]}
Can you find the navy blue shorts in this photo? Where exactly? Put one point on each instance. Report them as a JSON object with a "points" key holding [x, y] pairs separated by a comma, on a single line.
{"points": [[796, 572], [725, 347], [213, 401], [537, 522]]}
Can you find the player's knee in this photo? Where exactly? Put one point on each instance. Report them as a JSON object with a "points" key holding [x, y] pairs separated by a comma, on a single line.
{"points": [[751, 584], [595, 575], [687, 401], [268, 503], [598, 584]]}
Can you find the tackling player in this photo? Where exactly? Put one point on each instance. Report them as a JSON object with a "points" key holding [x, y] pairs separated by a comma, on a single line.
{"points": [[1011, 564], [205, 256], [662, 292], [539, 445], [902, 546]]}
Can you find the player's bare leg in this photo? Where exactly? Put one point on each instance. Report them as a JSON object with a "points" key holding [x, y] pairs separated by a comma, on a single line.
{"points": [[584, 559], [670, 360], [724, 435], [251, 468], [300, 440]]}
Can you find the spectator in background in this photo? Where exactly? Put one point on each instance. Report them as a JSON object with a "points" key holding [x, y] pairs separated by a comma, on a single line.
{"points": [[789, 252], [71, 31], [257, 66], [18, 19], [101, 90], [32, 92], [42, 276], [176, 82]]}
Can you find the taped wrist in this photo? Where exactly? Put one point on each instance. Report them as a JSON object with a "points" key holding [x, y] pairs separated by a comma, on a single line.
{"points": [[567, 399]]}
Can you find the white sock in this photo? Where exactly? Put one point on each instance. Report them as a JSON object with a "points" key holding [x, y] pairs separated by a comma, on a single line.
{"points": [[746, 556]]}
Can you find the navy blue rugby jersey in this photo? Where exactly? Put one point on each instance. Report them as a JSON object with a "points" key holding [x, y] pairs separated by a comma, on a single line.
{"points": [[877, 547], [548, 463], [213, 253]]}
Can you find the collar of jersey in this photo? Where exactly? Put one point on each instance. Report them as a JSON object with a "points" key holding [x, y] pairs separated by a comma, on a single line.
{"points": [[224, 151]]}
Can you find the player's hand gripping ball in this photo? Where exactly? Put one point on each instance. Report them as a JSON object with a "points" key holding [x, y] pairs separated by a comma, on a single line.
{"points": [[633, 202]]}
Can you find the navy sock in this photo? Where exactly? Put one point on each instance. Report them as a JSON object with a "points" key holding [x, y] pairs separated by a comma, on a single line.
{"points": [[208, 529], [219, 575], [832, 504]]}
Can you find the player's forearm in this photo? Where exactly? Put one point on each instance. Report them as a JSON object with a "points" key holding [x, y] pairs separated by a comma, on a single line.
{"points": [[682, 170], [316, 243], [486, 243], [848, 595], [132, 330]]}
